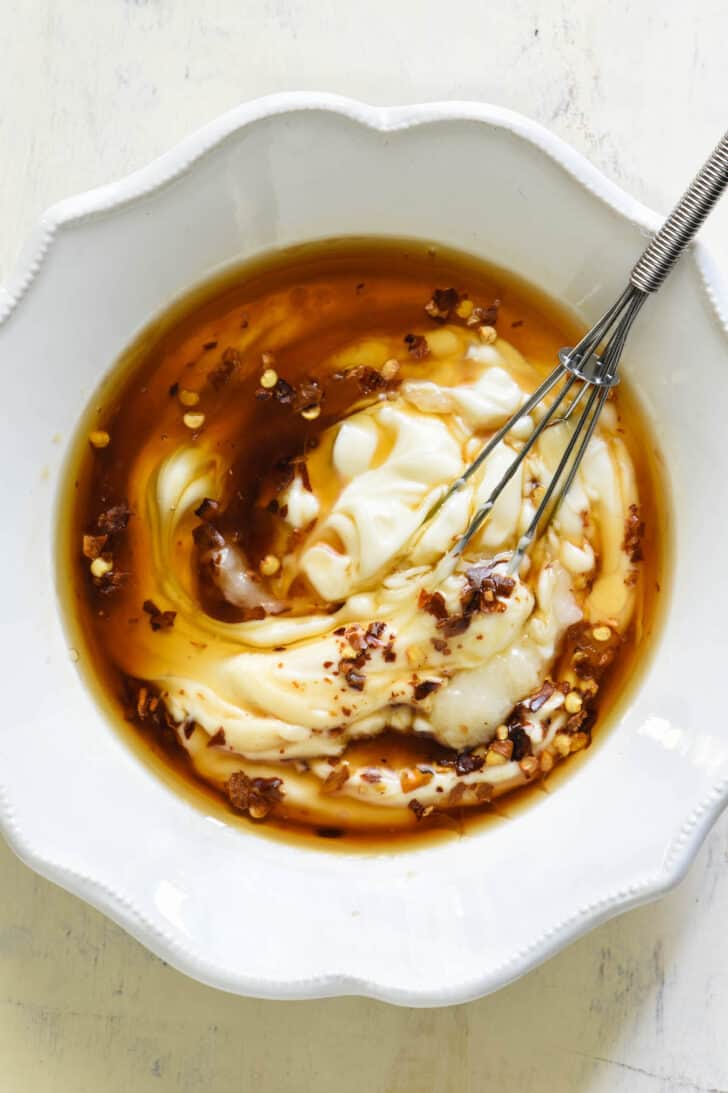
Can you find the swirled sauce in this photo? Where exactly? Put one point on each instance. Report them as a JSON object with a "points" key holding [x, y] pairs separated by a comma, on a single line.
{"points": [[259, 577]]}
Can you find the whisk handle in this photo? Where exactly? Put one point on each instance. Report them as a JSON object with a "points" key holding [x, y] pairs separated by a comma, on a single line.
{"points": [[665, 248]]}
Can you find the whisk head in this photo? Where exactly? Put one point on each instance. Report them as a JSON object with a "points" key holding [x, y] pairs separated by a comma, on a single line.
{"points": [[581, 382]]}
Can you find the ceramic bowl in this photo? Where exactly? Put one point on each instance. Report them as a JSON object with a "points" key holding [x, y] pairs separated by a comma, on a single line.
{"points": [[423, 927]]}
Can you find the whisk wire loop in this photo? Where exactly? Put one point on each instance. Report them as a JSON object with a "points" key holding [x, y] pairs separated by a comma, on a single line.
{"points": [[590, 368]]}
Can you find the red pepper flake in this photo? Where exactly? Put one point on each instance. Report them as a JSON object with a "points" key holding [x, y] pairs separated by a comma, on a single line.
{"points": [[521, 742], [454, 626], [114, 519], [440, 645], [634, 529], [229, 362], [484, 586], [158, 620], [421, 811], [535, 701], [208, 509], [368, 379], [443, 302], [466, 762], [433, 603], [374, 633], [417, 346], [217, 739], [256, 796], [339, 777], [355, 679], [307, 394], [484, 316], [110, 582], [425, 688], [93, 545]]}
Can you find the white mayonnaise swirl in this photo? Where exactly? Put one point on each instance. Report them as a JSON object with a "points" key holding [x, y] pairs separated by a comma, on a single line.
{"points": [[280, 687]]}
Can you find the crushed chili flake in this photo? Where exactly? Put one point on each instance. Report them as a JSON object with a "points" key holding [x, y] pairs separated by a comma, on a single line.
{"points": [[368, 379], [339, 777], [158, 620], [308, 394], [421, 811], [454, 625], [442, 303], [256, 796], [114, 519], [590, 658], [208, 509], [535, 701], [355, 679], [220, 375], [417, 346], [433, 603], [466, 762], [374, 632], [521, 742], [207, 538], [634, 529], [425, 688], [217, 739], [440, 645], [93, 545], [110, 582], [283, 392], [484, 586], [484, 316]]}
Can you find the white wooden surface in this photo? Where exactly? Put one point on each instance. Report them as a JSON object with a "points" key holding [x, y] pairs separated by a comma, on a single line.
{"points": [[90, 89]]}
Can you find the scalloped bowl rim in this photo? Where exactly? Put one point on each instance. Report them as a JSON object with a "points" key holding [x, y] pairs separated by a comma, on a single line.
{"points": [[163, 170]]}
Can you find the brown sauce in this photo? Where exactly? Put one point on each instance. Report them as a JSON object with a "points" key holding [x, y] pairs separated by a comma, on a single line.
{"points": [[375, 286]]}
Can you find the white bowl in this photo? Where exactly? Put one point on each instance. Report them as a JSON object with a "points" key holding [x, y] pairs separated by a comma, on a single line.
{"points": [[241, 912]]}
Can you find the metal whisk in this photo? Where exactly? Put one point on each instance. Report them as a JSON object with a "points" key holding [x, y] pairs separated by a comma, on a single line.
{"points": [[588, 374]]}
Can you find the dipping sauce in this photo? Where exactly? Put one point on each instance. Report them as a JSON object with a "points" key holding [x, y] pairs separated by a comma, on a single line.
{"points": [[261, 594]]}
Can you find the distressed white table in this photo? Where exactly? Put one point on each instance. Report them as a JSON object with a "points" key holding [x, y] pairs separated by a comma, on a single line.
{"points": [[88, 91]]}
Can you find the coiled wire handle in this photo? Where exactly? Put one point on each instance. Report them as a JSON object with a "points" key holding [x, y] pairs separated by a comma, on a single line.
{"points": [[665, 248]]}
